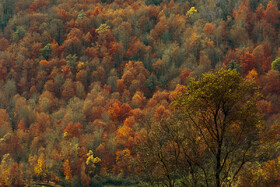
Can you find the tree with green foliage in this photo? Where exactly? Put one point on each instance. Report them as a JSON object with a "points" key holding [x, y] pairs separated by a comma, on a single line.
{"points": [[275, 65], [234, 65], [72, 62], [46, 51], [221, 108], [81, 15], [151, 83], [19, 33]]}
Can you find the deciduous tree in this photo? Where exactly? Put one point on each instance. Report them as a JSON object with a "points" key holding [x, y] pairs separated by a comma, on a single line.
{"points": [[221, 108]]}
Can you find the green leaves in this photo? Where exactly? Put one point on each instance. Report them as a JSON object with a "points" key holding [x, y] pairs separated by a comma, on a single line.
{"points": [[46, 51], [275, 65], [19, 33], [221, 108]]}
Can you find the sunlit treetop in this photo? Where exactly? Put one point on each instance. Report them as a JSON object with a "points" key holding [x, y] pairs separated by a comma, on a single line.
{"points": [[102, 28], [192, 11]]}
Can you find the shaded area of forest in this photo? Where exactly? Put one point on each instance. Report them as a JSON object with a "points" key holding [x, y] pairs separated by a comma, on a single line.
{"points": [[93, 92]]}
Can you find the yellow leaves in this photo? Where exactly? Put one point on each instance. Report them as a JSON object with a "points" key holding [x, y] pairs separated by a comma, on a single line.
{"points": [[5, 158], [102, 28], [89, 153], [6, 137], [192, 11], [40, 167], [81, 65], [96, 160], [91, 161], [65, 134], [5, 170]]}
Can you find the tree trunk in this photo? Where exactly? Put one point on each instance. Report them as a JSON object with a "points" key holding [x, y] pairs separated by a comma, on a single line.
{"points": [[218, 166]]}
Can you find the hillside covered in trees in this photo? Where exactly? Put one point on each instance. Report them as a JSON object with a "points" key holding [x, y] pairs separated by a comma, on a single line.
{"points": [[144, 92]]}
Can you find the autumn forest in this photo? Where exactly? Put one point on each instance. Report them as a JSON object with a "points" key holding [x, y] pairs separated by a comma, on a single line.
{"points": [[140, 93]]}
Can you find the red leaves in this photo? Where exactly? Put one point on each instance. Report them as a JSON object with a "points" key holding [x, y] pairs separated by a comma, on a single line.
{"points": [[32, 8], [271, 83], [185, 73], [248, 62]]}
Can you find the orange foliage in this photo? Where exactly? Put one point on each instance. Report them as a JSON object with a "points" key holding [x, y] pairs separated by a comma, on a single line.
{"points": [[138, 114], [130, 121], [44, 62], [243, 13], [123, 159], [272, 13], [161, 112], [127, 78], [178, 90], [253, 74], [119, 111], [96, 112], [21, 125], [124, 136], [73, 130], [96, 11], [113, 48], [138, 100], [209, 29], [4, 44], [121, 87], [67, 170]]}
